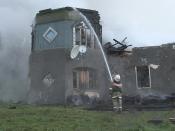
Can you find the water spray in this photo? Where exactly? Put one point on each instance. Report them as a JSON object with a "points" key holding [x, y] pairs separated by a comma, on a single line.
{"points": [[98, 41]]}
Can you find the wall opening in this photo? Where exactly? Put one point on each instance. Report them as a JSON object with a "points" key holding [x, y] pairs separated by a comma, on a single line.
{"points": [[143, 77], [84, 78], [82, 35]]}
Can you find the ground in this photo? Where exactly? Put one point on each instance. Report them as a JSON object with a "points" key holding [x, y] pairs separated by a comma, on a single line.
{"points": [[60, 118]]}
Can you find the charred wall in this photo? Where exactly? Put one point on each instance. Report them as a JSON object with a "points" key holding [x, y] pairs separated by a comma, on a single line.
{"points": [[161, 67], [53, 73]]}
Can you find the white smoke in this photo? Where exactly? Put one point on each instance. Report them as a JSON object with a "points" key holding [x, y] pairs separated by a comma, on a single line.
{"points": [[143, 22], [15, 43]]}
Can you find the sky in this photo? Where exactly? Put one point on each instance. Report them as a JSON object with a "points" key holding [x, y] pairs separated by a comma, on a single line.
{"points": [[144, 22]]}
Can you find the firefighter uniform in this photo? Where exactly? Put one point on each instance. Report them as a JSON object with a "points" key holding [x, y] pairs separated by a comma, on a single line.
{"points": [[117, 94]]}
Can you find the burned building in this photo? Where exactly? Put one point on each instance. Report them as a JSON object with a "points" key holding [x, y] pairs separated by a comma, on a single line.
{"points": [[147, 75], [68, 67], [66, 64]]}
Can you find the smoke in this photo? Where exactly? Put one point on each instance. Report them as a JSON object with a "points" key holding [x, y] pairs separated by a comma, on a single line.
{"points": [[15, 44], [14, 52], [143, 22], [13, 71]]}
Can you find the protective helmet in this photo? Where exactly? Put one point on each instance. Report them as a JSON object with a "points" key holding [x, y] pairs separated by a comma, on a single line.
{"points": [[117, 78]]}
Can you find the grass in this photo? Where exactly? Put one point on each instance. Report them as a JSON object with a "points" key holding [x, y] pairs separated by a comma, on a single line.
{"points": [[59, 118]]}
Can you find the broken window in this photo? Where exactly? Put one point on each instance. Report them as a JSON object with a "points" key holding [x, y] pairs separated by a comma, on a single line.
{"points": [[143, 79], [82, 35], [83, 78]]}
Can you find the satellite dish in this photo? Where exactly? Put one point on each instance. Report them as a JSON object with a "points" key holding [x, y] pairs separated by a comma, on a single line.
{"points": [[82, 49], [74, 52]]}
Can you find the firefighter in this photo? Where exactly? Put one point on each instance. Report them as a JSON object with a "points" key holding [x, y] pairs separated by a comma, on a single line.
{"points": [[117, 93]]}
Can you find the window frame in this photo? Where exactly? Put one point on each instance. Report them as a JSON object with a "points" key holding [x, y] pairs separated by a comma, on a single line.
{"points": [[91, 42], [149, 76], [88, 71], [47, 31]]}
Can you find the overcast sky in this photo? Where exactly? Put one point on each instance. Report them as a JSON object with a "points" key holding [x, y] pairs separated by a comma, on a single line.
{"points": [[144, 22]]}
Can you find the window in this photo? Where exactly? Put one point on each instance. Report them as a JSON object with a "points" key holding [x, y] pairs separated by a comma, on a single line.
{"points": [[50, 34], [82, 35], [173, 46], [143, 78], [83, 78]]}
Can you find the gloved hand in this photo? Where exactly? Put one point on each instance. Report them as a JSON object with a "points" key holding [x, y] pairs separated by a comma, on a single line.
{"points": [[110, 89]]}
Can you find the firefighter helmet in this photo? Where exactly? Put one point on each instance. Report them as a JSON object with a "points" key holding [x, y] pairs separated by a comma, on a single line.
{"points": [[117, 77]]}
